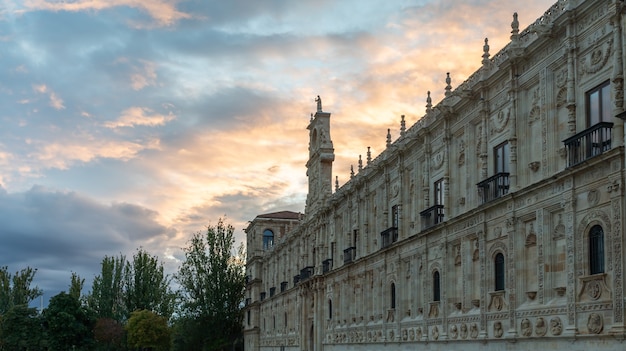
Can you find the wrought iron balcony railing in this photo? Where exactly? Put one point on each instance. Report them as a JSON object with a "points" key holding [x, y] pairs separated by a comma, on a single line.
{"points": [[327, 265], [306, 273], [388, 237], [588, 143], [349, 255], [432, 216], [493, 187]]}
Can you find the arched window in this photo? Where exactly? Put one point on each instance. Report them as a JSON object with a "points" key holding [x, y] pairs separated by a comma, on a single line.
{"points": [[330, 309], [436, 287], [499, 271], [268, 239], [393, 295], [596, 250]]}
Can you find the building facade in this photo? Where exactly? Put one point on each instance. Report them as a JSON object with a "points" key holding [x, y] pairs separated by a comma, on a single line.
{"points": [[493, 223]]}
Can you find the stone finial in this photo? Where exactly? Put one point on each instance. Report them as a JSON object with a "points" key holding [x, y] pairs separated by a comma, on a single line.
{"points": [[351, 171], [369, 155], [388, 137], [402, 126], [448, 86], [429, 103], [319, 103], [360, 164], [336, 183], [486, 52], [514, 27], [311, 117]]}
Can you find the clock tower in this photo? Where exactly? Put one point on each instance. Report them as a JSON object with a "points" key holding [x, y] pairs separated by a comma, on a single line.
{"points": [[321, 157]]}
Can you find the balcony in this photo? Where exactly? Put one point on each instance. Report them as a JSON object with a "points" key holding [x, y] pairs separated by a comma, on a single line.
{"points": [[248, 301], [588, 143], [327, 265], [283, 286], [296, 279], [388, 237], [349, 255], [263, 296], [272, 291], [432, 216], [306, 273], [493, 187]]}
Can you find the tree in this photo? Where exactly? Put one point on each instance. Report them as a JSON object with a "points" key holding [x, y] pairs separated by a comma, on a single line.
{"points": [[147, 287], [108, 334], [76, 286], [16, 289], [69, 323], [148, 331], [106, 297], [21, 329], [212, 281]]}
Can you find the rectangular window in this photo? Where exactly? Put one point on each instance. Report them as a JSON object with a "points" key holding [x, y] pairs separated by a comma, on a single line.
{"points": [[439, 190], [395, 216], [502, 154], [598, 104]]}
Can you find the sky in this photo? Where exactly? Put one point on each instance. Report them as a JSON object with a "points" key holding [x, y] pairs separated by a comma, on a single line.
{"points": [[129, 124]]}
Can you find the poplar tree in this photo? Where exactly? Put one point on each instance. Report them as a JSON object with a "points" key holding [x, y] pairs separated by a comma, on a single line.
{"points": [[212, 280]]}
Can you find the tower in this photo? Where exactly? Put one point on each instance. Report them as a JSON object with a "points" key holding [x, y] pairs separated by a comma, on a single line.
{"points": [[321, 157]]}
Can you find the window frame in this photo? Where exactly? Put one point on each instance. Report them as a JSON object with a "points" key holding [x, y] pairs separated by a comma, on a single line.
{"points": [[499, 268], [436, 286], [596, 249], [268, 240], [501, 157], [604, 108]]}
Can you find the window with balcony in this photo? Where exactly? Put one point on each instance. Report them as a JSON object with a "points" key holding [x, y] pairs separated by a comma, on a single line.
{"points": [[393, 295], [327, 265], [390, 235], [306, 273], [272, 291], [268, 239], [596, 250], [434, 214], [497, 185], [596, 138], [499, 271], [283, 286]]}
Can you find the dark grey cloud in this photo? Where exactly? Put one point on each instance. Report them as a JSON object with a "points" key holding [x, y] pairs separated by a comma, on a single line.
{"points": [[63, 232]]}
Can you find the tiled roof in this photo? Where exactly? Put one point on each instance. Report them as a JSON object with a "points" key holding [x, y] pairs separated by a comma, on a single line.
{"points": [[281, 215]]}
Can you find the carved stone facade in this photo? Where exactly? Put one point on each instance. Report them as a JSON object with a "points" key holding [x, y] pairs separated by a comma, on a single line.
{"points": [[496, 218]]}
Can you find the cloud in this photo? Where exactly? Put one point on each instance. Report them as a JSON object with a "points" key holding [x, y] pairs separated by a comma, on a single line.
{"points": [[144, 76], [164, 12], [139, 116], [55, 101], [60, 232]]}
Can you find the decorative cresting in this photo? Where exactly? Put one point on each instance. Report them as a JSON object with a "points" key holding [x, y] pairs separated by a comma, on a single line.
{"points": [[597, 59]]}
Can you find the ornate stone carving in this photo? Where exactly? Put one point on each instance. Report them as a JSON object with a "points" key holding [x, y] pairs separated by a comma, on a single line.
{"points": [[598, 57], [500, 121], [463, 332], [540, 327], [453, 331], [435, 333], [556, 326], [526, 326], [595, 324], [497, 329], [473, 331]]}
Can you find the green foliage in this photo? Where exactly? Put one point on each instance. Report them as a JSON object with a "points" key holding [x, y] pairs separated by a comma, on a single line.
{"points": [[148, 331], [16, 289], [106, 297], [76, 286], [69, 324], [212, 280], [147, 287], [21, 329], [125, 286]]}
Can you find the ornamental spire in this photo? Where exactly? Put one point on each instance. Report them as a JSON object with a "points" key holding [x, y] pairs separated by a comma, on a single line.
{"points": [[486, 53]]}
